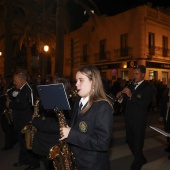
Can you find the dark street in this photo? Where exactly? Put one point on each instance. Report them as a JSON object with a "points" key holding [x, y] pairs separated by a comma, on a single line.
{"points": [[120, 155]]}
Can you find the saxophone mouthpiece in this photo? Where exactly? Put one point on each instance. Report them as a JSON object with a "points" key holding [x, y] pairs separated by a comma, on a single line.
{"points": [[74, 93]]}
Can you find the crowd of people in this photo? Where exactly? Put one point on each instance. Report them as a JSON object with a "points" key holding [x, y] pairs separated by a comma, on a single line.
{"points": [[90, 120]]}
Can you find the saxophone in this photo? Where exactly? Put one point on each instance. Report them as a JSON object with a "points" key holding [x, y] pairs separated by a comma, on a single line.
{"points": [[60, 154], [29, 130], [8, 114]]}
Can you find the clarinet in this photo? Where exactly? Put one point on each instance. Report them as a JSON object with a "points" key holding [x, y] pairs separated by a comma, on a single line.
{"points": [[167, 113], [129, 84]]}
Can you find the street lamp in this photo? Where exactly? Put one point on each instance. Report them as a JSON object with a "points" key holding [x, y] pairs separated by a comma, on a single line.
{"points": [[0, 53], [44, 62], [46, 48]]}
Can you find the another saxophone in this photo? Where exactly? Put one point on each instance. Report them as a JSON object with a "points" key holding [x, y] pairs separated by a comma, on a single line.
{"points": [[60, 154], [8, 114], [29, 129]]}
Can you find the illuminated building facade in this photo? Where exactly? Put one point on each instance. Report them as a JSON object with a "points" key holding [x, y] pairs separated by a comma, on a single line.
{"points": [[116, 43]]}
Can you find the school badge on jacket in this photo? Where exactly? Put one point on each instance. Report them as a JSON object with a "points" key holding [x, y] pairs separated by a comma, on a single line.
{"points": [[83, 126]]}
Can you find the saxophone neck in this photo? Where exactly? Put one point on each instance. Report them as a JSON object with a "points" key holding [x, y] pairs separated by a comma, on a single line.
{"points": [[61, 119], [36, 108]]}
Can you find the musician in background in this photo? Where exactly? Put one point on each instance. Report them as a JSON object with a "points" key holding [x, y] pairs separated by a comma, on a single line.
{"points": [[2, 91], [22, 108], [47, 125], [136, 98], [165, 113], [92, 122], [7, 121]]}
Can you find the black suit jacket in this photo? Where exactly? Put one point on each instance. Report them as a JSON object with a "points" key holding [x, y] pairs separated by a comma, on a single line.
{"points": [[164, 110], [90, 136], [137, 105], [22, 107], [165, 100], [48, 133]]}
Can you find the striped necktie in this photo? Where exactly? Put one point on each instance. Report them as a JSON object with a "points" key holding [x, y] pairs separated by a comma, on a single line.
{"points": [[80, 107]]}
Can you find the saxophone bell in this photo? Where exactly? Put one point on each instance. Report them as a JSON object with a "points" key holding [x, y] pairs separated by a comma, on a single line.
{"points": [[54, 152], [63, 158], [29, 130]]}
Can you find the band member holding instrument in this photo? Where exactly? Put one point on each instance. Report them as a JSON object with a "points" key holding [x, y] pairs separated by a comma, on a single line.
{"points": [[137, 99], [92, 121], [6, 115], [47, 125], [165, 113], [22, 108], [7, 121]]}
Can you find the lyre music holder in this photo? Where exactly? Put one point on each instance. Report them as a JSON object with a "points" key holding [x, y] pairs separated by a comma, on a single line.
{"points": [[53, 96]]}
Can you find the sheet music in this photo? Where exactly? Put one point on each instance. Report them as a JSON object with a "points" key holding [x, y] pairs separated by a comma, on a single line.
{"points": [[160, 131], [53, 96]]}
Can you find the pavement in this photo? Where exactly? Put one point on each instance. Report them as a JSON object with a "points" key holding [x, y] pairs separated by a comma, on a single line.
{"points": [[119, 154], [155, 143]]}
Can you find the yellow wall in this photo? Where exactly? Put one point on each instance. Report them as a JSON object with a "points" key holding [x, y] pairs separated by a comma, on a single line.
{"points": [[137, 22]]}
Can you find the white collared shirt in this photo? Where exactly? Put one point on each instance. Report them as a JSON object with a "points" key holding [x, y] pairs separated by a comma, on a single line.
{"points": [[84, 101], [137, 84]]}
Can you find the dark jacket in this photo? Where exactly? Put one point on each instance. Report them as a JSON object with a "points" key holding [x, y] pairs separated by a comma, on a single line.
{"points": [[164, 111], [90, 136], [137, 106], [165, 100], [48, 133], [136, 118], [22, 107]]}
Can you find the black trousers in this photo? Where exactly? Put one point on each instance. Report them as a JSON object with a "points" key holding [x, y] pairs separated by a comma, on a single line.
{"points": [[26, 157], [135, 138], [10, 133]]}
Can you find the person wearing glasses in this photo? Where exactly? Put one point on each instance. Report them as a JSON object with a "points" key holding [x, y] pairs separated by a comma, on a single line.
{"points": [[92, 121], [136, 98]]}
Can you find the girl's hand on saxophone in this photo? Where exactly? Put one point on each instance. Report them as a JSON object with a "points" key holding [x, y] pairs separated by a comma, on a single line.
{"points": [[64, 131]]}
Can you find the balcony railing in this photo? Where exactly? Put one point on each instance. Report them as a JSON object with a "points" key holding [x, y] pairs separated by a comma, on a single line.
{"points": [[158, 51], [123, 52], [106, 56]]}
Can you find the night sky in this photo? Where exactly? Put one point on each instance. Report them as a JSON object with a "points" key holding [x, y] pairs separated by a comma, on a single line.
{"points": [[111, 7], [108, 7]]}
